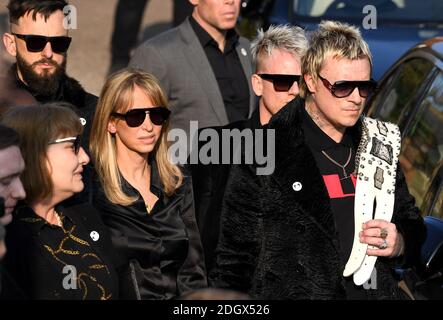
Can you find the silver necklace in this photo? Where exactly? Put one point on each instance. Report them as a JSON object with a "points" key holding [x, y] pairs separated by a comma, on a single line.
{"points": [[338, 164]]}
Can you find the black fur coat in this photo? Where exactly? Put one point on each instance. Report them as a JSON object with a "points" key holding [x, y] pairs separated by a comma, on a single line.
{"points": [[278, 243], [13, 92]]}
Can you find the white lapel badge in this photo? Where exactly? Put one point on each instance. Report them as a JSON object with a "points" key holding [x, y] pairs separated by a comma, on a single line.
{"points": [[94, 236], [297, 186]]}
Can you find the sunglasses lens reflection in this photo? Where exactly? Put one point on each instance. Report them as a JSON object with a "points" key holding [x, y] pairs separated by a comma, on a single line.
{"points": [[156, 118], [35, 44], [136, 117], [283, 84], [159, 115], [366, 89], [60, 44], [345, 89]]}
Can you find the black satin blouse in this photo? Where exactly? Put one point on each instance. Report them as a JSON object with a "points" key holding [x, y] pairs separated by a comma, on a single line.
{"points": [[162, 252]]}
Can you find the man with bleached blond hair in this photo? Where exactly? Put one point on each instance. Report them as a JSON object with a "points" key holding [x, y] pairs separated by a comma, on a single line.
{"points": [[311, 230]]}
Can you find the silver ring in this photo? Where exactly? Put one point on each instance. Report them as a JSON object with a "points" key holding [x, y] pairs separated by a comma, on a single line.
{"points": [[383, 245]]}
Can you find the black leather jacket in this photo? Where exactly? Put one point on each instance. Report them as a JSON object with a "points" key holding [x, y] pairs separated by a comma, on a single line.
{"points": [[161, 252]]}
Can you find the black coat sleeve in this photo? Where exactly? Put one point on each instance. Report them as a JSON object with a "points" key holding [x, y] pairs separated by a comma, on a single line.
{"points": [[409, 222], [239, 244], [18, 264], [192, 274]]}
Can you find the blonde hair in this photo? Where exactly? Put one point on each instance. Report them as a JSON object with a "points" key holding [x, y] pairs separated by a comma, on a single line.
{"points": [[116, 96], [332, 39], [37, 126], [288, 38]]}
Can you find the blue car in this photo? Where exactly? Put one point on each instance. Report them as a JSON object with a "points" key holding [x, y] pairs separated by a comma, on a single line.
{"points": [[410, 94], [399, 24]]}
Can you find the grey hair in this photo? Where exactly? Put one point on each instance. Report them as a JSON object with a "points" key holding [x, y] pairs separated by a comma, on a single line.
{"points": [[283, 37]]}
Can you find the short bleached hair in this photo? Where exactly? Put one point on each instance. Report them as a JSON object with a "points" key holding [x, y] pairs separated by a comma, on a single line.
{"points": [[332, 39], [288, 38]]}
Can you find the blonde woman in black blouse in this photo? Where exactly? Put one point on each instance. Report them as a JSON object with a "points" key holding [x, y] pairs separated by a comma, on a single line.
{"points": [[54, 251], [145, 199]]}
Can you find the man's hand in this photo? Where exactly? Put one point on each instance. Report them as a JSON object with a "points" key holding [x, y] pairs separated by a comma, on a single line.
{"points": [[383, 235]]}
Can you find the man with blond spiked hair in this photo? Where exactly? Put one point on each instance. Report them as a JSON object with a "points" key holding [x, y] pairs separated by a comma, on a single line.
{"points": [[336, 200], [277, 54]]}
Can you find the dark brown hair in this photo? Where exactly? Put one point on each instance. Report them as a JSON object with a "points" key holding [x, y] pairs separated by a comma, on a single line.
{"points": [[19, 8], [8, 137], [37, 126]]}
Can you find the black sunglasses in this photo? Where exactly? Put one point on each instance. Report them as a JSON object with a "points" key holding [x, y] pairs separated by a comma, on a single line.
{"points": [[75, 140], [35, 43], [343, 89], [281, 82], [135, 117]]}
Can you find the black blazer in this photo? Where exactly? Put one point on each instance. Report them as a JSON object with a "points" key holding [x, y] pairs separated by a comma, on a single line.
{"points": [[34, 264], [278, 243], [162, 252]]}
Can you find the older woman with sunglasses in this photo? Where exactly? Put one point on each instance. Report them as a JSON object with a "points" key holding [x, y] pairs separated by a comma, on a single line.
{"points": [[145, 200], [55, 251]]}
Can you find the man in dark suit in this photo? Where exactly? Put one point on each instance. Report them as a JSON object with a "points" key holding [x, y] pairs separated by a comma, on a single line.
{"points": [[276, 54], [203, 65]]}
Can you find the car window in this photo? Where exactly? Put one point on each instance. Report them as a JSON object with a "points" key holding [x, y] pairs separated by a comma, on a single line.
{"points": [[396, 98], [437, 210], [399, 10], [422, 146], [376, 103]]}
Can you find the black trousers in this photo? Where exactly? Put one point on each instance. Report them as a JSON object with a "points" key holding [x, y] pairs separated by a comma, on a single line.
{"points": [[127, 20]]}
